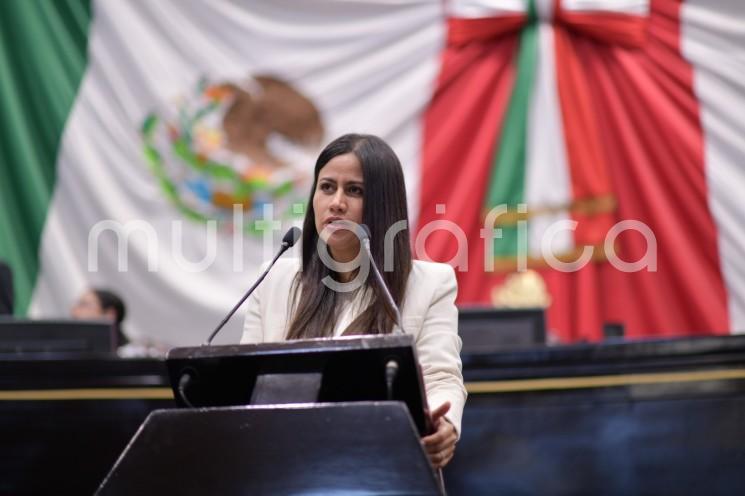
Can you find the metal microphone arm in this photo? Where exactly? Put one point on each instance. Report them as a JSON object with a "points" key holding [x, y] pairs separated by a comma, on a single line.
{"points": [[288, 241], [386, 292]]}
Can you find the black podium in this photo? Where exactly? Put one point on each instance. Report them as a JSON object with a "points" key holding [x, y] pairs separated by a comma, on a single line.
{"points": [[354, 428]]}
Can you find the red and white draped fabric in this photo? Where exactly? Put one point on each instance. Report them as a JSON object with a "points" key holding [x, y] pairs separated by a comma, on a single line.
{"points": [[584, 111]]}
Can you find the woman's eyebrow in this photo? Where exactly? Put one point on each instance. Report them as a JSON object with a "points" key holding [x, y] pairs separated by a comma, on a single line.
{"points": [[331, 180]]}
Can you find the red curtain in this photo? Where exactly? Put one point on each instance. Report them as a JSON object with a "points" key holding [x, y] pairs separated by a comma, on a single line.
{"points": [[631, 119]]}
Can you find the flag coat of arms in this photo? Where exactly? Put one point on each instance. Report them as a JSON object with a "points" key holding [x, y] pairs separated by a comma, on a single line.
{"points": [[151, 146]]}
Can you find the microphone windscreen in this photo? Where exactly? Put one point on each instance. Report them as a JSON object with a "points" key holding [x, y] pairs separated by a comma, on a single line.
{"points": [[292, 236]]}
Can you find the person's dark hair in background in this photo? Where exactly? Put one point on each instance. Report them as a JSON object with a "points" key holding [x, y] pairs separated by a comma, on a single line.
{"points": [[384, 204], [6, 289], [110, 301]]}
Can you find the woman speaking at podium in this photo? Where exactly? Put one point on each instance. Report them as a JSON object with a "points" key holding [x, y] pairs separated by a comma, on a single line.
{"points": [[358, 180]]}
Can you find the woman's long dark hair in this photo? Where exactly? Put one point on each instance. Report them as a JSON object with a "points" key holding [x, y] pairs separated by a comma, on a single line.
{"points": [[384, 203]]}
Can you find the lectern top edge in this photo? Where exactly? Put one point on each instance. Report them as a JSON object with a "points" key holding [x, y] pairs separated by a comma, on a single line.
{"points": [[372, 341]]}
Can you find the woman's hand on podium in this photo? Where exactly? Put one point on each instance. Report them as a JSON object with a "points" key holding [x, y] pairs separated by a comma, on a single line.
{"points": [[440, 446]]}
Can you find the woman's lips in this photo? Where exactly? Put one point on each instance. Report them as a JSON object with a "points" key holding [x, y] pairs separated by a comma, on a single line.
{"points": [[336, 224]]}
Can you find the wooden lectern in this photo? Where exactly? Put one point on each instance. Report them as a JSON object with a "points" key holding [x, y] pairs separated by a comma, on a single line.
{"points": [[327, 416]]}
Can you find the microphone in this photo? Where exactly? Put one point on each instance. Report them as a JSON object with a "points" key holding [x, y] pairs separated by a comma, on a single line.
{"points": [[288, 241], [364, 234]]}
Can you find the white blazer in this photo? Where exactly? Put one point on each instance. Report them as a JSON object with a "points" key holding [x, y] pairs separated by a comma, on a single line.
{"points": [[428, 313]]}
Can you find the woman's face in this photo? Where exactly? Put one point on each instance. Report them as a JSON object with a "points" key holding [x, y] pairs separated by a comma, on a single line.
{"points": [[339, 197], [87, 307]]}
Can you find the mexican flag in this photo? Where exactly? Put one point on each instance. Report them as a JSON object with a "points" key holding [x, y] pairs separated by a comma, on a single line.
{"points": [[161, 148]]}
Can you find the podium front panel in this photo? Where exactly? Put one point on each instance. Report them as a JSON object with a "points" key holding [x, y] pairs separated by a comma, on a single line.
{"points": [[341, 448]]}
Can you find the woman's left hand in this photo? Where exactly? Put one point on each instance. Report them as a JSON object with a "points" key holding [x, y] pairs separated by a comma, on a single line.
{"points": [[440, 446]]}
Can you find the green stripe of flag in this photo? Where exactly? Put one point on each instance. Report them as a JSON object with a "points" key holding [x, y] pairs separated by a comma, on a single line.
{"points": [[507, 182], [43, 46]]}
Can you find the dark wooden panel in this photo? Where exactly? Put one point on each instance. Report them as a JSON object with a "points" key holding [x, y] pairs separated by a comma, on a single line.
{"points": [[647, 418], [339, 448], [67, 446], [613, 357], [565, 443]]}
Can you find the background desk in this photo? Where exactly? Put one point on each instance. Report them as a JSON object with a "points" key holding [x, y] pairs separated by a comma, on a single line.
{"points": [[662, 417], [65, 420], [657, 417]]}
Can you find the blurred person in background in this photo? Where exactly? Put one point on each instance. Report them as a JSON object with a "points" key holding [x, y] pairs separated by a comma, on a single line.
{"points": [[97, 303]]}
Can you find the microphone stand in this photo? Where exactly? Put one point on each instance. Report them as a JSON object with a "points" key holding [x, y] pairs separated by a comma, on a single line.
{"points": [[386, 293], [288, 241], [391, 367]]}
